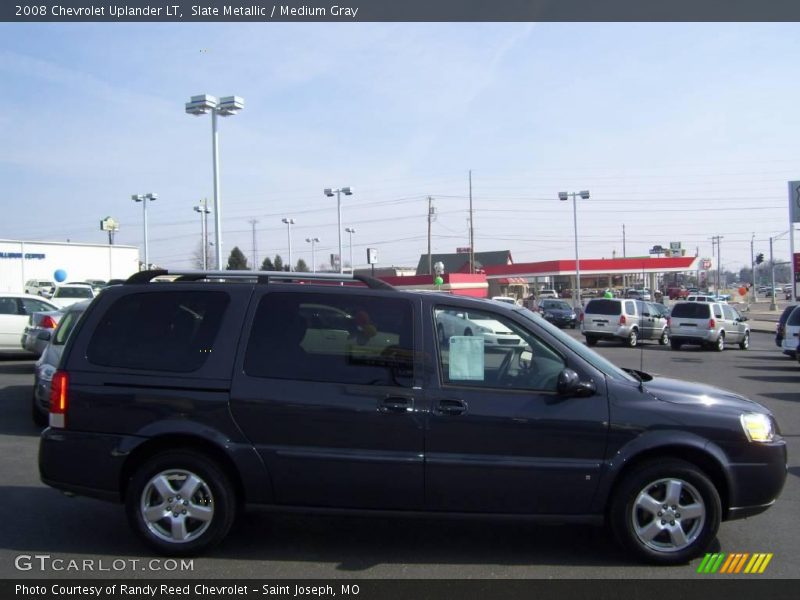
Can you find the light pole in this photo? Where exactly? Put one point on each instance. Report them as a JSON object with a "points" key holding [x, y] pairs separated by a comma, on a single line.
{"points": [[351, 231], [203, 209], [289, 222], [144, 198], [347, 191], [313, 242], [224, 107], [563, 196]]}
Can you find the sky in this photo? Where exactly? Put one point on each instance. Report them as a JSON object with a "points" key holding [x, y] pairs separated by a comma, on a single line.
{"points": [[680, 132]]}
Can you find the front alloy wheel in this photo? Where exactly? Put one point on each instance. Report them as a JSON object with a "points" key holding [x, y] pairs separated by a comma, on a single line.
{"points": [[745, 343], [666, 512]]}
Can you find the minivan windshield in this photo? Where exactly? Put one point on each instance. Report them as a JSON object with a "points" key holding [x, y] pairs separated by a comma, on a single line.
{"points": [[590, 356]]}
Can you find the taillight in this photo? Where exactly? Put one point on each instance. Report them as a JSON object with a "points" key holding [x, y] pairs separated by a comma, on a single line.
{"points": [[59, 399], [712, 323], [622, 320], [48, 322], [580, 317]]}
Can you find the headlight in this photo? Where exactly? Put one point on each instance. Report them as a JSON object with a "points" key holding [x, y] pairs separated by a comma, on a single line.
{"points": [[484, 330], [757, 427], [46, 372], [548, 315]]}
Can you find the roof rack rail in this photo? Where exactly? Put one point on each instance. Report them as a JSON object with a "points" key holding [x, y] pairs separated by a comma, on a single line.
{"points": [[257, 276]]}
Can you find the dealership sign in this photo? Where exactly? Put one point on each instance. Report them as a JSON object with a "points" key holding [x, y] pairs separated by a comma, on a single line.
{"points": [[27, 255]]}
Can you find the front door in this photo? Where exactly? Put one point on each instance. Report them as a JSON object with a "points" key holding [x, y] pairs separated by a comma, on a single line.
{"points": [[500, 438]]}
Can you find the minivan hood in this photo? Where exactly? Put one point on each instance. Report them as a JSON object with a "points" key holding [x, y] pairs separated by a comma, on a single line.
{"points": [[692, 392]]}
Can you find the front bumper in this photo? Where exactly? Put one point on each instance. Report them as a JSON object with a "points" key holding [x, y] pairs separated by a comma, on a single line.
{"points": [[757, 480]]}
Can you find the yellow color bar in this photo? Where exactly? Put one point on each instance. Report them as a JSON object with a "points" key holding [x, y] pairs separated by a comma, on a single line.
{"points": [[765, 563]]}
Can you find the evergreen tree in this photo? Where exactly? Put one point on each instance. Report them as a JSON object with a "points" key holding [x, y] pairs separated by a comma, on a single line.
{"points": [[237, 260], [267, 265], [278, 262], [301, 267]]}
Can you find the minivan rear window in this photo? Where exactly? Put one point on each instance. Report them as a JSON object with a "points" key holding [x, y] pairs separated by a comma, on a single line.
{"points": [[165, 331], [604, 307], [691, 310]]}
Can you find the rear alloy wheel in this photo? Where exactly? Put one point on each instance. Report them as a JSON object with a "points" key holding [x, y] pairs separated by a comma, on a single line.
{"points": [[180, 503], [745, 343], [632, 339], [675, 344], [664, 339], [666, 512], [719, 345]]}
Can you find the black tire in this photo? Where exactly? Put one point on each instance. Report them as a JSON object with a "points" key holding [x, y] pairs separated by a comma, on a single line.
{"points": [[573, 326], [633, 338], [591, 341], [644, 532], [172, 468], [675, 344], [719, 345], [664, 339], [745, 343]]}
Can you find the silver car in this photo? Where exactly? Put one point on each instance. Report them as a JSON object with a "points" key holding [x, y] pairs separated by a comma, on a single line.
{"points": [[710, 324]]}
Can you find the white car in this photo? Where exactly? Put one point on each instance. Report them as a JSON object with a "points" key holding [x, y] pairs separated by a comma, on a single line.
{"points": [[451, 323], [791, 334], [507, 300], [40, 287], [70, 293], [15, 310], [548, 293]]}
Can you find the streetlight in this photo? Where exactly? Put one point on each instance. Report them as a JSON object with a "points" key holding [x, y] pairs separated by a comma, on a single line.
{"points": [[224, 107], [203, 209], [563, 196], [351, 231], [347, 191], [313, 241], [143, 198], [289, 222]]}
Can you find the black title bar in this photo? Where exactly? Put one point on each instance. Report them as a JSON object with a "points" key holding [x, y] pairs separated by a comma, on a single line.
{"points": [[399, 10]]}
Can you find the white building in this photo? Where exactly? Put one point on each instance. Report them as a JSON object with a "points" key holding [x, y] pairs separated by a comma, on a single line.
{"points": [[21, 261]]}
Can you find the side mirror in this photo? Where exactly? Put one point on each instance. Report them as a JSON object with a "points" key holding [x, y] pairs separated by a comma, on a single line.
{"points": [[44, 336], [570, 385]]}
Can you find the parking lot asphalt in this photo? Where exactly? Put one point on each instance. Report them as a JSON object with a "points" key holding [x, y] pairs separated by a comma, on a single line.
{"points": [[37, 520]]}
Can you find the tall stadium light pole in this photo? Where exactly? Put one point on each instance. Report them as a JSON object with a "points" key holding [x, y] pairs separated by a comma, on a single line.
{"points": [[563, 196], [347, 191], [203, 209], [224, 107], [289, 222], [351, 231], [314, 241], [144, 199]]}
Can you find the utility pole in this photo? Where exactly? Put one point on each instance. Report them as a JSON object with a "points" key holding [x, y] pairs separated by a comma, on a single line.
{"points": [[624, 255], [752, 269], [254, 222], [431, 211], [772, 305], [716, 240], [471, 230], [203, 209]]}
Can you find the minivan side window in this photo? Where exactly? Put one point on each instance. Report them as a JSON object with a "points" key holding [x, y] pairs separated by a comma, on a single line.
{"points": [[352, 339], [630, 308], [482, 349], [717, 311], [164, 331]]}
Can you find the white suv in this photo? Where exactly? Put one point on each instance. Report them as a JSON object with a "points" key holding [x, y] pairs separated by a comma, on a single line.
{"points": [[39, 287]]}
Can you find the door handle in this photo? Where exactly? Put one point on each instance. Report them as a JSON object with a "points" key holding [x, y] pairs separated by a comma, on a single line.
{"points": [[451, 407], [396, 404]]}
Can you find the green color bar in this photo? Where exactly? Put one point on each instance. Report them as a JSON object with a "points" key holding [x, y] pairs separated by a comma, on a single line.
{"points": [[701, 568], [718, 563]]}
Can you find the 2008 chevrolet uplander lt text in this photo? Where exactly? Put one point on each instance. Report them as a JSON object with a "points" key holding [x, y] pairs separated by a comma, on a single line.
{"points": [[188, 399]]}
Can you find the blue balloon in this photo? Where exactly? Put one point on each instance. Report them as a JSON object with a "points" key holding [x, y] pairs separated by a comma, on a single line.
{"points": [[60, 275]]}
